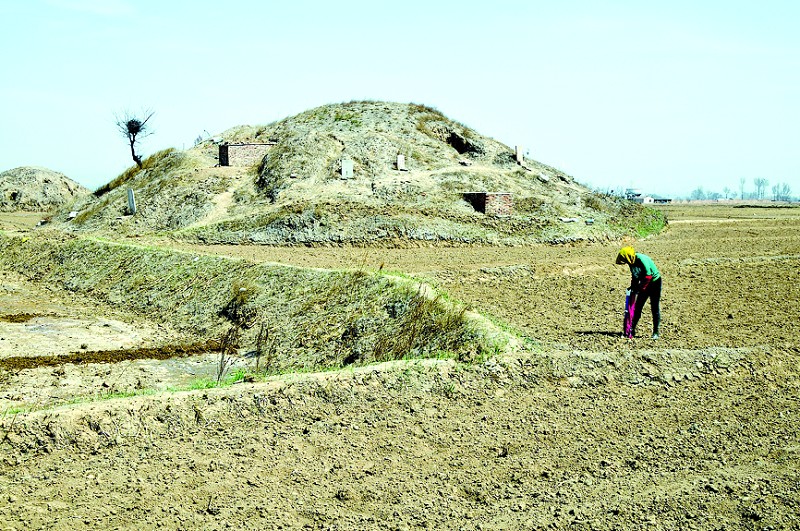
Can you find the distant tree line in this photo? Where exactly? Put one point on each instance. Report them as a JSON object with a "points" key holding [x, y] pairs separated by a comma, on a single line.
{"points": [[780, 192]]}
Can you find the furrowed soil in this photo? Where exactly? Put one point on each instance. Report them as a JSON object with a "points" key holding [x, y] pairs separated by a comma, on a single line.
{"points": [[577, 429]]}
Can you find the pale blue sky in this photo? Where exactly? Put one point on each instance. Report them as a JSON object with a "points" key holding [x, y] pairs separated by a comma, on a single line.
{"points": [[663, 96]]}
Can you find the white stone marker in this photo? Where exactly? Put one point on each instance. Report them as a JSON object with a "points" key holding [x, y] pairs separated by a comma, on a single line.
{"points": [[401, 162], [347, 169]]}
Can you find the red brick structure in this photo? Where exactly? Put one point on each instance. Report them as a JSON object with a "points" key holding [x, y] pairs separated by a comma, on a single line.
{"points": [[491, 203], [242, 155]]}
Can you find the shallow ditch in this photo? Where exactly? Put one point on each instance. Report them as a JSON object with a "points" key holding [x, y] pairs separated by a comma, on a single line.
{"points": [[20, 317], [17, 363]]}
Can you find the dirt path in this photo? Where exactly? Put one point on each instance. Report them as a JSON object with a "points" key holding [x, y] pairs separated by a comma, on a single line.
{"points": [[20, 221]]}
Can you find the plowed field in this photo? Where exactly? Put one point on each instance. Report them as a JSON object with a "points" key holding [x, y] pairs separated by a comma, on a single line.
{"points": [[579, 429]]}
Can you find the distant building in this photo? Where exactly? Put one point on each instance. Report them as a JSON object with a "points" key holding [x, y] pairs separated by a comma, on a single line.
{"points": [[632, 193], [635, 195]]}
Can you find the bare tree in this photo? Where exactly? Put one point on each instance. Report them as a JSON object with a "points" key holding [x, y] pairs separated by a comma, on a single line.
{"points": [[776, 192], [134, 128], [726, 191], [741, 188], [698, 194], [786, 192], [760, 184]]}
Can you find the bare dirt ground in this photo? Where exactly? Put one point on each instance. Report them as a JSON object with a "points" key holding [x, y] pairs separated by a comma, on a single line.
{"points": [[58, 347], [581, 429]]}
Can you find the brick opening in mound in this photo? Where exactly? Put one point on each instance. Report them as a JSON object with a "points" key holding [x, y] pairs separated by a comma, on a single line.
{"points": [[461, 144]]}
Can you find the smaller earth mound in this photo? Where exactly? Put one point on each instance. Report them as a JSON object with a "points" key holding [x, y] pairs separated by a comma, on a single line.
{"points": [[36, 189]]}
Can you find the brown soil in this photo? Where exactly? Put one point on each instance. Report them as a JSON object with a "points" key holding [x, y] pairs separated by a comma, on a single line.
{"points": [[18, 363], [12, 221], [18, 317], [580, 429]]}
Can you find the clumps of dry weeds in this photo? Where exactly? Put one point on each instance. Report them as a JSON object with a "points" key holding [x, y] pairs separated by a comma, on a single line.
{"points": [[238, 310], [424, 325], [229, 349], [157, 160], [19, 317], [241, 315], [266, 347]]}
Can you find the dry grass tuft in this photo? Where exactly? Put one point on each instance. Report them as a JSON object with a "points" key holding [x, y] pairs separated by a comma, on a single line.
{"points": [[149, 163]]}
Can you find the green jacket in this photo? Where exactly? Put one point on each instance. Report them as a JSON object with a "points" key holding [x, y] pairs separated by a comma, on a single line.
{"points": [[643, 271]]}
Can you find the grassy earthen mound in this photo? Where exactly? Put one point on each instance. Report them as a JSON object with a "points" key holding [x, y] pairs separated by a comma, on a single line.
{"points": [[298, 193], [306, 319], [36, 189]]}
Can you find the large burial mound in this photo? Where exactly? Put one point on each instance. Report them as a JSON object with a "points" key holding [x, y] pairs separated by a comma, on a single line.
{"points": [[359, 172], [36, 189]]}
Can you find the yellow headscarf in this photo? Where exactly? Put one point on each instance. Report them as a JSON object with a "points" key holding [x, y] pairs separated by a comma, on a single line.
{"points": [[626, 256]]}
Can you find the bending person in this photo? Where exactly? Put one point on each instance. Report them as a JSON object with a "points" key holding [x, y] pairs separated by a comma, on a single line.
{"points": [[645, 284]]}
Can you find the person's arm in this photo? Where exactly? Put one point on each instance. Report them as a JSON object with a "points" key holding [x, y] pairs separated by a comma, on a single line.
{"points": [[644, 283], [640, 280]]}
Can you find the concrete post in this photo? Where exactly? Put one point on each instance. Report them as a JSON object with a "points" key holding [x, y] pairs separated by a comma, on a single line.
{"points": [[131, 202]]}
